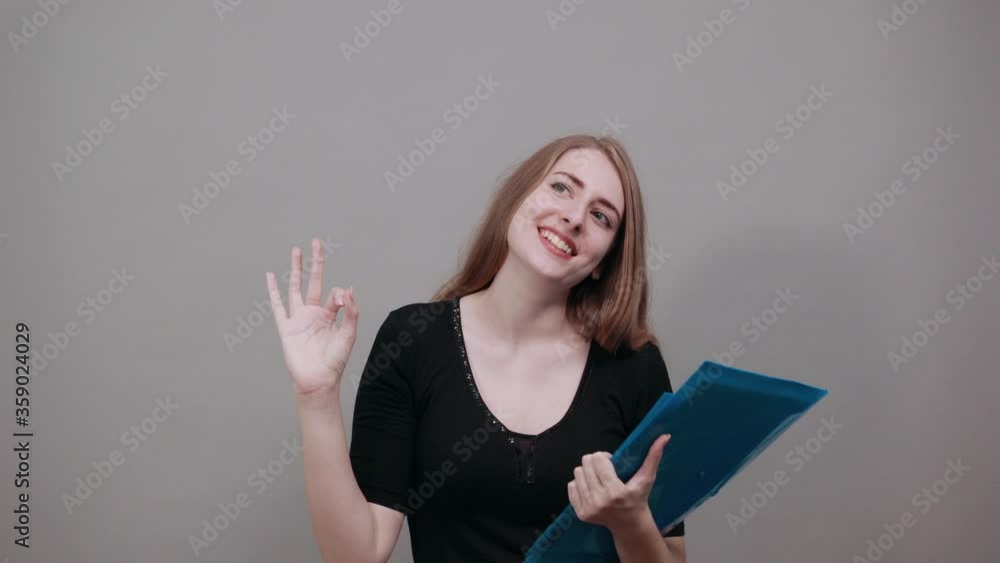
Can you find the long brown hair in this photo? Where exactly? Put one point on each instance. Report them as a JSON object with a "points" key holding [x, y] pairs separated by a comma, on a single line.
{"points": [[613, 310]]}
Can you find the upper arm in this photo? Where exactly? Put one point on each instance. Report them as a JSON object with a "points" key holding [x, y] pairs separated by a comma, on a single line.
{"points": [[651, 380], [383, 433], [677, 548], [388, 523]]}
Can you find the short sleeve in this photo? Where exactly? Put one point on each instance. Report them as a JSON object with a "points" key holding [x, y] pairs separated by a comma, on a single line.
{"points": [[655, 381], [384, 422]]}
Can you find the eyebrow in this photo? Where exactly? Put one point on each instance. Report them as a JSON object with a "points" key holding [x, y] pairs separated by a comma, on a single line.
{"points": [[583, 186]]}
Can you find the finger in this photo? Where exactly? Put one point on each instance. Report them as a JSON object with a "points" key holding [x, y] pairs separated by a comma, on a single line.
{"points": [[350, 324], [582, 484], [647, 472], [295, 281], [605, 469], [574, 497], [335, 301], [315, 290], [276, 307], [591, 473]]}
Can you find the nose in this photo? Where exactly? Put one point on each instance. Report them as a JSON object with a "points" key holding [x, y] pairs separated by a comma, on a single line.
{"points": [[573, 218], [571, 225]]}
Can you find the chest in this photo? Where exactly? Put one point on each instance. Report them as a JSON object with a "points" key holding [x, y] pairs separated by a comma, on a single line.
{"points": [[531, 391], [481, 466]]}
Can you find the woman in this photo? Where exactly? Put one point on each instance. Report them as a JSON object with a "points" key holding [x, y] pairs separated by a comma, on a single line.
{"points": [[482, 413]]}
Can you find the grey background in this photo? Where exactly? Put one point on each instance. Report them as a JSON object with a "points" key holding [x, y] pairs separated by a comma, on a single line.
{"points": [[162, 336]]}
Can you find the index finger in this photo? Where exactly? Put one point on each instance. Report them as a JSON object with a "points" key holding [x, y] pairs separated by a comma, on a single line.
{"points": [[276, 306]]}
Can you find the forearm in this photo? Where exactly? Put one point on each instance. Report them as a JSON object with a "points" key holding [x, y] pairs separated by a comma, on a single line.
{"points": [[641, 542], [342, 520]]}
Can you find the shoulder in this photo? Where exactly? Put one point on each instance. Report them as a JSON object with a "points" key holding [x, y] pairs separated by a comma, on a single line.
{"points": [[408, 337], [422, 321], [651, 361], [642, 370], [651, 354], [421, 313], [628, 359], [642, 379]]}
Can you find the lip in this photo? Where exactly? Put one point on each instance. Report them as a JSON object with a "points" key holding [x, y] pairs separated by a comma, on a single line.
{"points": [[569, 242]]}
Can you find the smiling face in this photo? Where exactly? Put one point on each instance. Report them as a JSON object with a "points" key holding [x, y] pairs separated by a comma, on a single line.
{"points": [[567, 224]]}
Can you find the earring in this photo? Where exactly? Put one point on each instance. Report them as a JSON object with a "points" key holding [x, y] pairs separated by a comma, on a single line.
{"points": [[595, 275]]}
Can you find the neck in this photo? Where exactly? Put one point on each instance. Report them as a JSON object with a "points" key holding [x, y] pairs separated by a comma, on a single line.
{"points": [[521, 307]]}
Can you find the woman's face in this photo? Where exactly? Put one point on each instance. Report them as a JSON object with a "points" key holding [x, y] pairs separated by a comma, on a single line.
{"points": [[581, 202]]}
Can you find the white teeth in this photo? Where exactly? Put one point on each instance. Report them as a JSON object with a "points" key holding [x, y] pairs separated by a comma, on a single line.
{"points": [[557, 242]]}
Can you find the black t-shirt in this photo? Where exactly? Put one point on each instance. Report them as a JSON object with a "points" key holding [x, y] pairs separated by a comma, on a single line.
{"points": [[425, 444]]}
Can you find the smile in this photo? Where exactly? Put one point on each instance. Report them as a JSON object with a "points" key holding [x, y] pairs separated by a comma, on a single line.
{"points": [[556, 244]]}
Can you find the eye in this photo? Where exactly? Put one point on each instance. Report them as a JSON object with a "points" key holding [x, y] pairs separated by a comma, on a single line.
{"points": [[560, 187], [603, 218]]}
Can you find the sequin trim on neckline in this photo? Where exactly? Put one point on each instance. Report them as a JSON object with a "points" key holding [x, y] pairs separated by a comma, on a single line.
{"points": [[524, 461]]}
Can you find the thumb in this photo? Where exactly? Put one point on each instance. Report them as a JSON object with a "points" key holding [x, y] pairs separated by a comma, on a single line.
{"points": [[647, 473]]}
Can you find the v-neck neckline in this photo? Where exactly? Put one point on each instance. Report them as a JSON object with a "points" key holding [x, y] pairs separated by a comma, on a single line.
{"points": [[471, 380]]}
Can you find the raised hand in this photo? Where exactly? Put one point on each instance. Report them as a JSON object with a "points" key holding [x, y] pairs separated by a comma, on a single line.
{"points": [[316, 349]]}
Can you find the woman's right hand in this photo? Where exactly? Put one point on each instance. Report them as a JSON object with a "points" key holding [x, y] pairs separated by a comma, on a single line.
{"points": [[316, 350]]}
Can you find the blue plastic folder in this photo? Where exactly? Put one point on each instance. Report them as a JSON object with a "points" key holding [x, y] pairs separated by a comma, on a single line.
{"points": [[719, 420]]}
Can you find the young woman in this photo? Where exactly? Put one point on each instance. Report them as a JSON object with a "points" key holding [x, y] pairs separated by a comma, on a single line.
{"points": [[484, 411]]}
